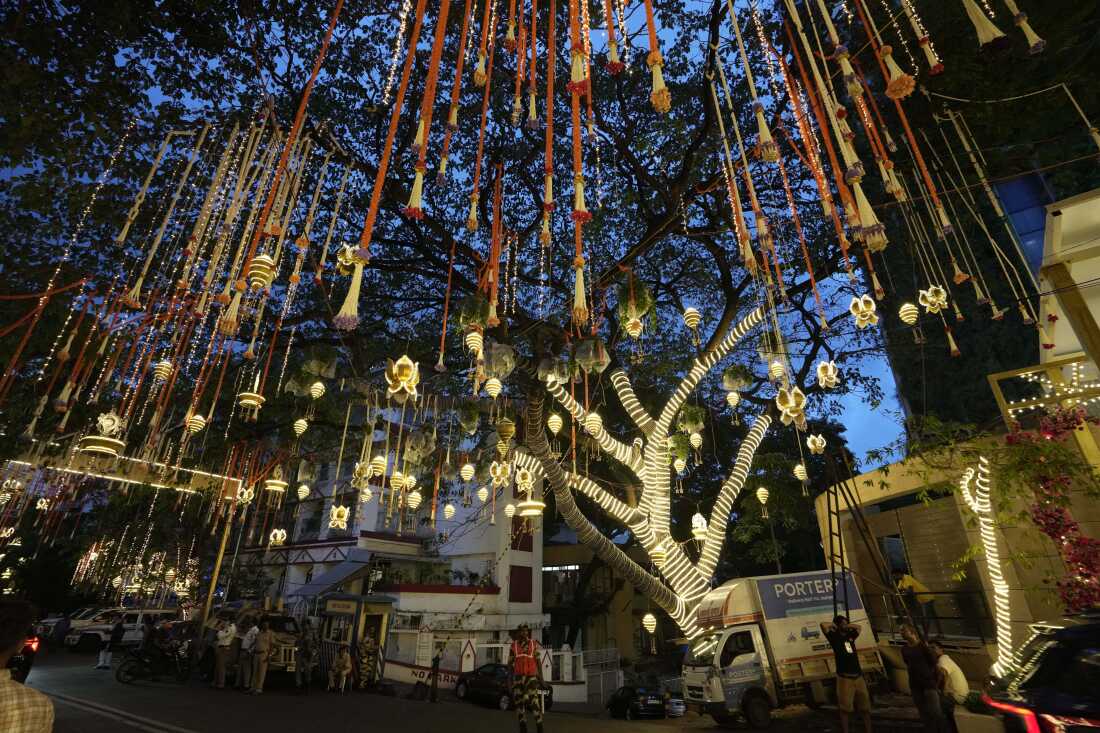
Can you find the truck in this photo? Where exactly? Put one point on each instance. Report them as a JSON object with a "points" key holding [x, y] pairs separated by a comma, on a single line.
{"points": [[762, 646]]}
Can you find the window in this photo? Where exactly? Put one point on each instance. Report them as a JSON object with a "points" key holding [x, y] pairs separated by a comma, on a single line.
{"points": [[519, 584], [737, 644], [130, 618], [521, 535]]}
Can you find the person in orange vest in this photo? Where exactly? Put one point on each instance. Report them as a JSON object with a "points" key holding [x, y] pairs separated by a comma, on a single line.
{"points": [[526, 677]]}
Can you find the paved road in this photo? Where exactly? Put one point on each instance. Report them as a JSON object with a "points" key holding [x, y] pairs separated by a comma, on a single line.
{"points": [[91, 701]]}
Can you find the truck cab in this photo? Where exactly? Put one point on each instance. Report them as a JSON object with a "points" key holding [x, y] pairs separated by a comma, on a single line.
{"points": [[729, 672]]}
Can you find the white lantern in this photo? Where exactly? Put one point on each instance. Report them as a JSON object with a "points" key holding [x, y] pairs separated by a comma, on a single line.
{"points": [[908, 313], [593, 423], [509, 510], [800, 472], [634, 327], [554, 422], [699, 527], [733, 399], [776, 370], [275, 483], [692, 319], [483, 494], [170, 576], [300, 426], [195, 424], [658, 554], [467, 472], [303, 492], [649, 622], [530, 507], [317, 390], [277, 537], [378, 465], [162, 371], [762, 495], [474, 342], [449, 511], [696, 440], [413, 499], [679, 464], [397, 480], [492, 387], [410, 481]]}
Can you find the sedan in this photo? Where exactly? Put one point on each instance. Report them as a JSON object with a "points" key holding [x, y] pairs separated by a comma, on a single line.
{"points": [[632, 703], [492, 683]]}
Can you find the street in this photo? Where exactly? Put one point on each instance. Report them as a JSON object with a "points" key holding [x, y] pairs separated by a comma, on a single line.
{"points": [[92, 701]]}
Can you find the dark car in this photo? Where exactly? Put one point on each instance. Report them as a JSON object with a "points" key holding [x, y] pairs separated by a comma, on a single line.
{"points": [[492, 683], [636, 702], [21, 662], [1054, 682]]}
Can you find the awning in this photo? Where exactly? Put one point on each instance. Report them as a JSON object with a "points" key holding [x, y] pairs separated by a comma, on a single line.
{"points": [[355, 565]]}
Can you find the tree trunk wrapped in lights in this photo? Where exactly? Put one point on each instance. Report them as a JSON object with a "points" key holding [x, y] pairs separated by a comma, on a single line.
{"points": [[681, 584]]}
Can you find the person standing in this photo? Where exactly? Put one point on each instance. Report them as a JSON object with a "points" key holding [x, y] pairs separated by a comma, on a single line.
{"points": [[223, 642], [22, 710], [112, 643], [244, 657], [303, 657], [261, 653], [367, 660], [919, 599], [952, 683], [851, 688], [60, 631], [921, 666], [526, 678]]}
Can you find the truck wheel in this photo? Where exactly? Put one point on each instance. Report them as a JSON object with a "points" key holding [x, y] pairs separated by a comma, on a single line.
{"points": [[725, 721], [758, 713]]}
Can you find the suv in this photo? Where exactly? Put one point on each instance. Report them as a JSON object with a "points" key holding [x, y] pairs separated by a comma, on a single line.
{"points": [[78, 619], [91, 638], [1054, 681]]}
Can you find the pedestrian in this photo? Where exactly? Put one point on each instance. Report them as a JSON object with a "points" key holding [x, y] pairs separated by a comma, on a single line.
{"points": [[367, 660], [433, 696], [223, 642], [244, 657], [22, 710], [60, 631], [526, 678], [261, 653], [922, 680], [112, 643], [148, 633], [920, 600], [341, 668], [851, 688], [951, 682], [304, 654]]}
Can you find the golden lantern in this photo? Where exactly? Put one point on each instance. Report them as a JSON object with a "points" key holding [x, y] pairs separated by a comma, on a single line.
{"points": [[649, 622], [816, 444], [692, 319], [365, 495], [245, 495], [509, 510], [338, 517], [277, 537], [800, 472], [762, 497], [413, 499], [862, 309], [934, 299], [633, 327], [195, 424], [449, 511], [378, 465], [410, 481], [530, 507], [402, 376], [251, 401], [397, 480], [300, 426], [696, 440], [828, 376], [733, 399], [109, 425], [776, 370], [483, 494], [474, 342], [467, 471], [303, 492], [506, 429], [908, 313], [493, 387], [275, 483], [554, 422], [658, 554], [593, 423], [261, 272], [500, 473], [699, 527], [162, 370], [317, 390]]}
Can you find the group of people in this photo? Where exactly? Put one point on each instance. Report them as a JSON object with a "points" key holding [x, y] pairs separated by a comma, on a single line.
{"points": [[253, 643], [936, 682]]}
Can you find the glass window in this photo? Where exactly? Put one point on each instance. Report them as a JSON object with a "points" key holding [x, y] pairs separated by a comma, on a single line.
{"points": [[737, 645], [130, 618], [701, 653]]}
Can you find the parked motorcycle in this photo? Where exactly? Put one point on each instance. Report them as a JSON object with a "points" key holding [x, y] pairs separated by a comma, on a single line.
{"points": [[172, 660]]}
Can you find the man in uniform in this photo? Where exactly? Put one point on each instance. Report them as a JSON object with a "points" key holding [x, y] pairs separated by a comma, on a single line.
{"points": [[526, 677]]}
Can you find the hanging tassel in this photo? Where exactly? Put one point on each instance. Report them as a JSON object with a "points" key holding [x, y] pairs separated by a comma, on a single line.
{"points": [[510, 36], [415, 207], [479, 71], [958, 313], [544, 232], [899, 191], [1026, 315], [532, 112], [493, 320], [871, 229], [548, 192], [945, 223], [764, 233], [471, 220], [659, 97], [418, 139], [231, 318], [960, 277], [851, 81], [590, 125], [979, 294], [879, 292], [441, 174], [61, 404], [998, 314], [517, 110], [765, 144], [578, 80], [348, 317], [133, 297], [952, 347], [439, 365], [580, 213], [843, 126], [899, 85], [989, 35], [614, 65], [1035, 44], [1044, 338], [935, 65], [224, 296], [64, 354], [452, 119], [28, 432], [580, 308]]}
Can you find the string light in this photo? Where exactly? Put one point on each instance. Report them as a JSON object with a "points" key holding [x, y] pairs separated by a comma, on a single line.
{"points": [[398, 43]]}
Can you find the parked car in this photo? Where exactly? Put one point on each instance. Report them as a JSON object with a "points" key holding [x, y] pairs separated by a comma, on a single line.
{"points": [[78, 619], [675, 707], [632, 703], [492, 683], [1054, 684], [90, 638], [21, 662]]}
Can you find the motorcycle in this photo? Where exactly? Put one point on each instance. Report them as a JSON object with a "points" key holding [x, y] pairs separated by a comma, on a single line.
{"points": [[172, 660]]}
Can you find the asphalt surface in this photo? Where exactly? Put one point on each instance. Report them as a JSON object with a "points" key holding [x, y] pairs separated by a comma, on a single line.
{"points": [[87, 700]]}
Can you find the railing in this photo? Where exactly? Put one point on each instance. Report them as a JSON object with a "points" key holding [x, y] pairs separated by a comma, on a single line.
{"points": [[961, 615]]}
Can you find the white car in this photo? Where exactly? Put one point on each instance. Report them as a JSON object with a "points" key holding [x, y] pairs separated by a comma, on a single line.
{"points": [[78, 619], [90, 638]]}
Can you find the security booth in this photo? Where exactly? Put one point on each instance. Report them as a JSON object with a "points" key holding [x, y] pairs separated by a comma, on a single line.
{"points": [[360, 622]]}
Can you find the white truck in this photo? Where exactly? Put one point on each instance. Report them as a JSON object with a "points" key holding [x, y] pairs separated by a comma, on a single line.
{"points": [[763, 646]]}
